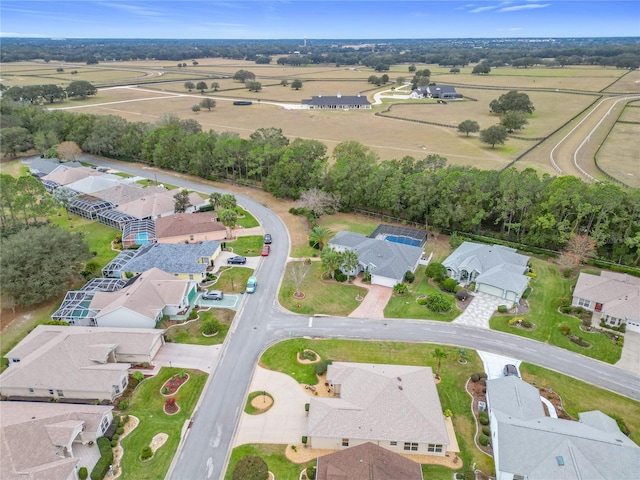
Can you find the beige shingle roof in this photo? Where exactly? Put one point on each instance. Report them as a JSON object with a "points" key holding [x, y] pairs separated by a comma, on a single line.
{"points": [[380, 402], [149, 294], [619, 293], [27, 449], [65, 175], [187, 224], [161, 203], [127, 192], [65, 357]]}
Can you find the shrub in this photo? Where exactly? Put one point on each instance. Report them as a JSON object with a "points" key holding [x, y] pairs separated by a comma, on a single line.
{"points": [[513, 321], [321, 367], [483, 440], [146, 453], [139, 376], [565, 329], [124, 419], [366, 276], [475, 377], [106, 459], [449, 285], [623, 328], [210, 326], [124, 405], [251, 467], [311, 472], [83, 473], [182, 374], [170, 402], [472, 287], [482, 381], [438, 302], [437, 271], [527, 324], [502, 309], [565, 302], [308, 355], [483, 374], [567, 272], [621, 424], [400, 288], [409, 276], [165, 390], [422, 301], [339, 276], [193, 314], [119, 431], [462, 294], [486, 431], [448, 413], [586, 322], [306, 407], [483, 418], [304, 439], [566, 309]]}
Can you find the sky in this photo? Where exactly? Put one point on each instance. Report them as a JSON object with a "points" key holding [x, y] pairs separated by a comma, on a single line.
{"points": [[330, 19]]}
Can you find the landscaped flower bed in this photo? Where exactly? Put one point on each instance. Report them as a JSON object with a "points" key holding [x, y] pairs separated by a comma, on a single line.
{"points": [[172, 385]]}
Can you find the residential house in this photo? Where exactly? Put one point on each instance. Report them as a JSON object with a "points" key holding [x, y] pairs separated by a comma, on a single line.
{"points": [[367, 461], [188, 261], [50, 440], [76, 363], [126, 192], [495, 269], [443, 92], [190, 227], [337, 102], [393, 406], [64, 175], [387, 261], [529, 445], [95, 183], [39, 167], [158, 204], [612, 297]]}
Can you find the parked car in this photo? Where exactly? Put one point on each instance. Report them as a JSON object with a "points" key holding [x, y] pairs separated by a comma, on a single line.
{"points": [[267, 238], [265, 250], [213, 295], [252, 283], [511, 370], [237, 260]]}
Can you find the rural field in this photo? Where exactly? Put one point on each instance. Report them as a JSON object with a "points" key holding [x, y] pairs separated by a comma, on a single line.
{"points": [[564, 99]]}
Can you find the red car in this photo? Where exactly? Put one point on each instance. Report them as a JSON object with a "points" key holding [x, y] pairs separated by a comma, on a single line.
{"points": [[265, 250]]}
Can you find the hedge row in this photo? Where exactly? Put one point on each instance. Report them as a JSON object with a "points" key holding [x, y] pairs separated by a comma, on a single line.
{"points": [[106, 459]]}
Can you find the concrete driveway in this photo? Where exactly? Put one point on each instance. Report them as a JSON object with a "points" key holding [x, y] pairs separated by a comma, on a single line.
{"points": [[201, 357], [630, 358], [252, 262], [230, 301], [374, 301], [285, 422], [480, 309]]}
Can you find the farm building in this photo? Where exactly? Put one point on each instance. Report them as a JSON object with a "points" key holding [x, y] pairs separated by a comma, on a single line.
{"points": [[337, 102], [444, 92]]}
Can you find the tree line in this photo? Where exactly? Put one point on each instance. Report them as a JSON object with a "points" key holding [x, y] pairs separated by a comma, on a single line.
{"points": [[521, 206]]}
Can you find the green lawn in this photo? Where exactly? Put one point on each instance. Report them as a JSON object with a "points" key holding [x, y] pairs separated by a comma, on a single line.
{"points": [[146, 182], [578, 396], [321, 296], [247, 220], [273, 455], [191, 332], [249, 246], [406, 306], [233, 279], [147, 405], [98, 236], [282, 357], [548, 289], [250, 409]]}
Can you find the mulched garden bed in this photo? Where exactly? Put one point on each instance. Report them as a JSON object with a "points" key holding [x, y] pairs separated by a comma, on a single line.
{"points": [[173, 384]]}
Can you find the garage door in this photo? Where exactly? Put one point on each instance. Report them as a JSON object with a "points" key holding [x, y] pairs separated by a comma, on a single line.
{"points": [[491, 290], [633, 326]]}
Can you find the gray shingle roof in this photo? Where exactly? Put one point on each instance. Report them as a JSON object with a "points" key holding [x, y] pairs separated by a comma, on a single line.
{"points": [[44, 166], [380, 402], [322, 100], [387, 259], [175, 258]]}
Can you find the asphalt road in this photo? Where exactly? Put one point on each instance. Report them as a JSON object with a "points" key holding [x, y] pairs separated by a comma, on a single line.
{"points": [[260, 322]]}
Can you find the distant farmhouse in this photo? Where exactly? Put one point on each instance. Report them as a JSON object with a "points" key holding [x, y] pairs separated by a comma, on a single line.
{"points": [[612, 297], [527, 444], [338, 102], [443, 92]]}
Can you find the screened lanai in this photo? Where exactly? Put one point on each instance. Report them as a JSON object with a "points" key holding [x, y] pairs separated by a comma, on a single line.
{"points": [[50, 185], [115, 218], [104, 285], [114, 269], [138, 232], [75, 308], [89, 207]]}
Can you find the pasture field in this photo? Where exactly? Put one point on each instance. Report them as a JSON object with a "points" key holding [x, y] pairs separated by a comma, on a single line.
{"points": [[616, 159], [389, 138]]}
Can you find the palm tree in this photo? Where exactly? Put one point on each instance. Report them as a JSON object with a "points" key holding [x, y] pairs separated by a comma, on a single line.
{"points": [[214, 200], [462, 356], [349, 262], [439, 353], [320, 236], [228, 201], [228, 219], [331, 260]]}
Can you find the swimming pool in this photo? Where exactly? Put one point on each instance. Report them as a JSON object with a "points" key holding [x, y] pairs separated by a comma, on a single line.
{"points": [[402, 240]]}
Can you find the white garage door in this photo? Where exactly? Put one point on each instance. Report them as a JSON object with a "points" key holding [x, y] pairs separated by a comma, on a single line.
{"points": [[633, 326], [491, 290]]}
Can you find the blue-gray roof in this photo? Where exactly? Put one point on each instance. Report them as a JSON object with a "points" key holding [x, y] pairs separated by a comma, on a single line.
{"points": [[44, 166], [322, 100]]}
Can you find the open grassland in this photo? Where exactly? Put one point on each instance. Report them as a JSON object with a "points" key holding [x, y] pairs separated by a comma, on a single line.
{"points": [[615, 158], [628, 83]]}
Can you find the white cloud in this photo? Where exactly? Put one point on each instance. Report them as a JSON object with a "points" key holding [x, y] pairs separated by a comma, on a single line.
{"points": [[483, 9], [529, 6]]}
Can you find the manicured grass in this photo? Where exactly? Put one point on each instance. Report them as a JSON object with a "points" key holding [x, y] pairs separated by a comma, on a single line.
{"points": [[282, 357], [406, 306], [321, 296], [578, 396], [247, 220], [97, 235], [148, 405], [548, 289], [247, 246], [233, 279], [146, 182], [250, 409], [123, 174], [192, 332], [273, 455]]}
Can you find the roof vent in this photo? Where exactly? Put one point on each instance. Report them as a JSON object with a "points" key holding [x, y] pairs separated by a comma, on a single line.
{"points": [[319, 95], [399, 387], [399, 379], [339, 95]]}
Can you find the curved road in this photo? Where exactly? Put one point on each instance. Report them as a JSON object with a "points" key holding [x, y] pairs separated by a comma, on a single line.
{"points": [[261, 322]]}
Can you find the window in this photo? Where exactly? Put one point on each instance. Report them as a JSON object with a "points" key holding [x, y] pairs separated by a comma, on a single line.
{"points": [[60, 393], [116, 389], [191, 276], [105, 424], [15, 360], [345, 442], [393, 444], [191, 237], [410, 447], [50, 391], [31, 390], [124, 382], [583, 302], [434, 448]]}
